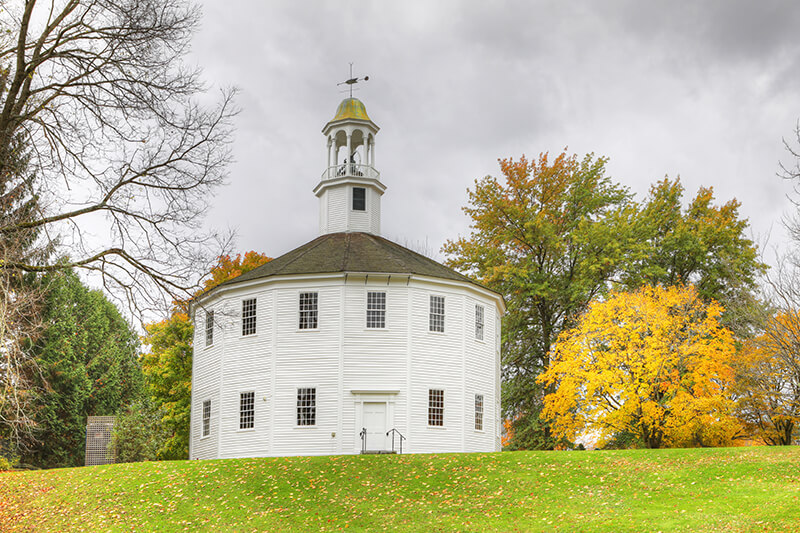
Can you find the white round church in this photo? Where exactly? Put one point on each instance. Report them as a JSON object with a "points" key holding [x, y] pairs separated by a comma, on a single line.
{"points": [[350, 343]]}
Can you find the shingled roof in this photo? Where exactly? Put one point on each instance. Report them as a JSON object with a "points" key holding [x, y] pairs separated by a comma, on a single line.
{"points": [[350, 252]]}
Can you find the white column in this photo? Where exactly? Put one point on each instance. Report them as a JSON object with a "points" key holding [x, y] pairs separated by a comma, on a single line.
{"points": [[372, 152], [330, 152], [365, 148], [349, 151]]}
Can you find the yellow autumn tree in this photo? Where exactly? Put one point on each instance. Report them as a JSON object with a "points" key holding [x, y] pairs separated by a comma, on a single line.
{"points": [[654, 364]]}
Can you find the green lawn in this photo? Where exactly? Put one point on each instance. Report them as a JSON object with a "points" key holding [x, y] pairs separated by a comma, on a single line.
{"points": [[730, 490]]}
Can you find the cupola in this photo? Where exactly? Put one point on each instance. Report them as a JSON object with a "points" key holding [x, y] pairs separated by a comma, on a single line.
{"points": [[350, 188]]}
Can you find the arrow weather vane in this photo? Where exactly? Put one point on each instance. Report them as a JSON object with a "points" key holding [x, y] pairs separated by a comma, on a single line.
{"points": [[352, 81]]}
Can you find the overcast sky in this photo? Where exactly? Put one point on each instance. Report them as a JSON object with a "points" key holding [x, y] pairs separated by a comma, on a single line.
{"points": [[701, 90]]}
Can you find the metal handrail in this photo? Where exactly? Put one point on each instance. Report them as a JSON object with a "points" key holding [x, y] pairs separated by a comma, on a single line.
{"points": [[350, 170], [402, 438], [363, 436]]}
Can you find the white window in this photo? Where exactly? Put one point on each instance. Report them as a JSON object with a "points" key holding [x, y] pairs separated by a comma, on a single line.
{"points": [[435, 407], [376, 309], [307, 406], [308, 310], [479, 412], [479, 322], [206, 418], [359, 199], [437, 314], [249, 316], [209, 328], [247, 410]]}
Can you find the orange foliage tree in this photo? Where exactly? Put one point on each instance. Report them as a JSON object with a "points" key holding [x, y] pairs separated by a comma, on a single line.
{"points": [[654, 364], [167, 363], [768, 379]]}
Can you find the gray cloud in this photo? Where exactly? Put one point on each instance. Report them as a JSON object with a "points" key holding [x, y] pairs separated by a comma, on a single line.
{"points": [[701, 89]]}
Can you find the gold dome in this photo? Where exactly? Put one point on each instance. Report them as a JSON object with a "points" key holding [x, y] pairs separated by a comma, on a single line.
{"points": [[351, 108]]}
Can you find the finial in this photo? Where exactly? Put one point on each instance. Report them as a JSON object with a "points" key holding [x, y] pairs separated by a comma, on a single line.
{"points": [[352, 81]]}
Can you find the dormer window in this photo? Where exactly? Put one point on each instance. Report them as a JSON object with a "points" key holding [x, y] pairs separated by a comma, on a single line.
{"points": [[359, 199]]}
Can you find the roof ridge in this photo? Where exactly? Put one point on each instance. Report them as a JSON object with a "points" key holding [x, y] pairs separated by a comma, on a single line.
{"points": [[311, 245], [346, 256], [425, 259]]}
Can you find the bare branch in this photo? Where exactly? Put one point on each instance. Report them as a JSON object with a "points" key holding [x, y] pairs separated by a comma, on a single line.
{"points": [[125, 158]]}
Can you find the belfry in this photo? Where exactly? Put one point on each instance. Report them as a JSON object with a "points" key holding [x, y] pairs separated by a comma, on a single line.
{"points": [[350, 188]]}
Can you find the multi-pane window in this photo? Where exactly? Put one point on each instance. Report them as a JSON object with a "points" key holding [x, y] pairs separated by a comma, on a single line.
{"points": [[206, 418], [479, 322], [249, 316], [479, 412], [435, 407], [376, 309], [209, 328], [308, 310], [359, 199], [437, 313], [247, 410], [306, 406]]}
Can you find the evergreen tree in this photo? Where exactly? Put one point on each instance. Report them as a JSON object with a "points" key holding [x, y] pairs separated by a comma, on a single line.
{"points": [[19, 296], [87, 358]]}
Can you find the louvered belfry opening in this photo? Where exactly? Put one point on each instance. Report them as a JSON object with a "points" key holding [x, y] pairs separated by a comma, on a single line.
{"points": [[98, 438]]}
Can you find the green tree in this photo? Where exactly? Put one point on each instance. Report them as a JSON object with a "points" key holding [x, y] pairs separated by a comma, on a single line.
{"points": [[702, 244], [549, 237], [553, 236], [167, 362], [98, 105], [138, 433], [88, 365], [167, 366]]}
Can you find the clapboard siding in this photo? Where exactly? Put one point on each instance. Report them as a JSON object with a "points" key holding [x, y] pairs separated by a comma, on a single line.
{"points": [[247, 365], [306, 358], [205, 386], [374, 212], [348, 364], [436, 363], [323, 213], [367, 220], [479, 375], [375, 358], [337, 207]]}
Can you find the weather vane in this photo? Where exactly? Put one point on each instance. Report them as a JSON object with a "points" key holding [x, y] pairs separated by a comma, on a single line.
{"points": [[352, 81]]}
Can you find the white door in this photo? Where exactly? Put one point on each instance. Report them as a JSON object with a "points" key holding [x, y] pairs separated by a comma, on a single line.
{"points": [[374, 420]]}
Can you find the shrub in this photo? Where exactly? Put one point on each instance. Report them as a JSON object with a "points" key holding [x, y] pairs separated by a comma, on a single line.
{"points": [[138, 433]]}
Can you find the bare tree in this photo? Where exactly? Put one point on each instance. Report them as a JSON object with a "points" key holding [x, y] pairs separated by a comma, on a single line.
{"points": [[769, 367], [769, 371], [125, 158], [19, 326]]}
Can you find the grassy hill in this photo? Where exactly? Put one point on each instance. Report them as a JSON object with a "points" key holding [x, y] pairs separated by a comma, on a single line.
{"points": [[730, 490]]}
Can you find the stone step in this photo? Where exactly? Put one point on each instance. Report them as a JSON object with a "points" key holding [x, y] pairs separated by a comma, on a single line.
{"points": [[378, 452]]}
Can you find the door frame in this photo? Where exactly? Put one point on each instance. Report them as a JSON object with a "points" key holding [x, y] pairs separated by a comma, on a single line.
{"points": [[359, 399]]}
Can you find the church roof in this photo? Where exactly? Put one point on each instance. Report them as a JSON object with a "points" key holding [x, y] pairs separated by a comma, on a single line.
{"points": [[351, 252], [351, 108]]}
